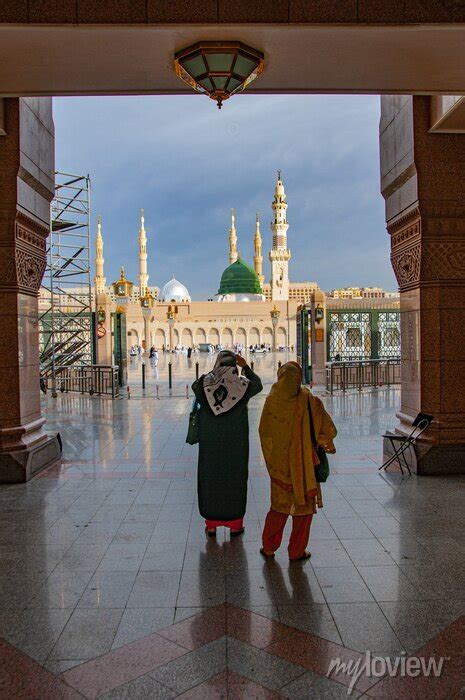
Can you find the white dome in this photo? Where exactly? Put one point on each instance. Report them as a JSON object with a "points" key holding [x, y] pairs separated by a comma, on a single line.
{"points": [[175, 291]]}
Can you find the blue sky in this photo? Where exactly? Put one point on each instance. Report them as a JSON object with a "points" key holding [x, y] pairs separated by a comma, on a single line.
{"points": [[187, 163]]}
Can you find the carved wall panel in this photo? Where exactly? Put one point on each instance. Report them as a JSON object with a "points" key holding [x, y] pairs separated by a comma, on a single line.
{"points": [[407, 266], [22, 264], [443, 260], [7, 267], [406, 250], [29, 270]]}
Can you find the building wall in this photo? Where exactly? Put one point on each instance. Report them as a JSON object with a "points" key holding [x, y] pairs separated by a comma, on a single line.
{"points": [[300, 292], [214, 322]]}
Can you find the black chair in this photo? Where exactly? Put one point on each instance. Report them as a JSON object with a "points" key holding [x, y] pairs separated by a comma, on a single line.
{"points": [[401, 443]]}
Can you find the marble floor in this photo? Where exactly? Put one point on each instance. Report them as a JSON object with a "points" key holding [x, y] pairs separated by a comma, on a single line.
{"points": [[110, 589]]}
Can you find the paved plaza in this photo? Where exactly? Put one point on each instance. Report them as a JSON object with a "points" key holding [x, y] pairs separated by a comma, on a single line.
{"points": [[110, 588]]}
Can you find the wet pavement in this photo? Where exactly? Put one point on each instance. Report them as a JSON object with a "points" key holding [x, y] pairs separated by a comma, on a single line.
{"points": [[109, 587]]}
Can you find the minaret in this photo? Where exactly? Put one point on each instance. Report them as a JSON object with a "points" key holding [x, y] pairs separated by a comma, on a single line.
{"points": [[143, 275], [233, 255], [258, 259], [100, 281], [279, 254]]}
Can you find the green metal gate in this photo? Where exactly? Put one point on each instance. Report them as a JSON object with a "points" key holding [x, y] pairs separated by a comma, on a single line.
{"points": [[118, 322], [303, 345], [363, 334]]}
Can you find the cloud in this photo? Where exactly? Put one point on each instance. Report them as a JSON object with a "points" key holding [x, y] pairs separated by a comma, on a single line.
{"points": [[187, 164]]}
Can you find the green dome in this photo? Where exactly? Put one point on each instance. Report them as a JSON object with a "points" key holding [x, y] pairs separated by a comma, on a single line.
{"points": [[239, 278]]}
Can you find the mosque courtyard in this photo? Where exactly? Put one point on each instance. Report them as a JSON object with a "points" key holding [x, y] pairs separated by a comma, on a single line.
{"points": [[110, 588]]}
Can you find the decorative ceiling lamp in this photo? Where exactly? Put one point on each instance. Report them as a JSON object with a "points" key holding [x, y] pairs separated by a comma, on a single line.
{"points": [[218, 69]]}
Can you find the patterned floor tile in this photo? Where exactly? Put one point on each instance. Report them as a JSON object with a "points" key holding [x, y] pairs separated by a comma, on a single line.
{"points": [[215, 688], [137, 623], [144, 688], [250, 628], [310, 685], [122, 665], [199, 629], [113, 540], [193, 668], [259, 666], [21, 677]]}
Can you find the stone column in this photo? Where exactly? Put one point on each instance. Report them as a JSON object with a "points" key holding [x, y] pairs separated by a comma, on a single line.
{"points": [[105, 343], [319, 341], [26, 188], [423, 183]]}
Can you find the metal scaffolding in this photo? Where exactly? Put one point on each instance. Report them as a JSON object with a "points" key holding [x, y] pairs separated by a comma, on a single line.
{"points": [[65, 316]]}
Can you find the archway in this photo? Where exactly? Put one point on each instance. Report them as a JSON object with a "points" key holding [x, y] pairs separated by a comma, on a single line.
{"points": [[241, 337], [200, 336], [254, 336], [159, 338], [175, 337], [214, 336], [133, 337], [267, 336], [186, 337], [281, 337], [415, 267], [227, 338]]}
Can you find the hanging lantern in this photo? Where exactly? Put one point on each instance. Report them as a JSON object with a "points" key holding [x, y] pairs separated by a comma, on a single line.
{"points": [[319, 313], [218, 69]]}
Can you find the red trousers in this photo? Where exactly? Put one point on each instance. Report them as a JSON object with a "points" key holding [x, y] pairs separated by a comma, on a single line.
{"points": [[232, 524], [273, 533]]}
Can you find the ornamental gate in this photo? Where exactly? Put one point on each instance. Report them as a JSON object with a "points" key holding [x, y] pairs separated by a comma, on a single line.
{"points": [[368, 334]]}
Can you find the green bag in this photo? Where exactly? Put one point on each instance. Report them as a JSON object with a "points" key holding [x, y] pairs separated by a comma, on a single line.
{"points": [[193, 429], [321, 469]]}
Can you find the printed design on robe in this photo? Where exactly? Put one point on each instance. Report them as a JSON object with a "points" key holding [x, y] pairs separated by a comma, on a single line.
{"points": [[224, 388]]}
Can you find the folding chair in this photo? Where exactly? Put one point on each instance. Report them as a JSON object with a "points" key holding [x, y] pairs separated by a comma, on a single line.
{"points": [[404, 442]]}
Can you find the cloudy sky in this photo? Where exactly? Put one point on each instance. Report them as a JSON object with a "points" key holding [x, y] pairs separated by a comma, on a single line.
{"points": [[187, 164]]}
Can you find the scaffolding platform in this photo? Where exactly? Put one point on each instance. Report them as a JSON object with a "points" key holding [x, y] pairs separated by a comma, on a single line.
{"points": [[65, 304]]}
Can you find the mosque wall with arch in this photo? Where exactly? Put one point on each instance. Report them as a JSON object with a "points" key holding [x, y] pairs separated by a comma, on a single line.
{"points": [[188, 335], [207, 322]]}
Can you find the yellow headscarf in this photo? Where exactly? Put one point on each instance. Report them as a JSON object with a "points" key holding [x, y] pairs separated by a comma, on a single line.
{"points": [[285, 433]]}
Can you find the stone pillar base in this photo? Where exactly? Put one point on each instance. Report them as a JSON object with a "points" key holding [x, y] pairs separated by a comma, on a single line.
{"points": [[431, 460], [21, 465]]}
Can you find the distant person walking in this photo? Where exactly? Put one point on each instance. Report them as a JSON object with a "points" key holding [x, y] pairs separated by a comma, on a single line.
{"points": [[291, 416], [223, 395], [189, 352]]}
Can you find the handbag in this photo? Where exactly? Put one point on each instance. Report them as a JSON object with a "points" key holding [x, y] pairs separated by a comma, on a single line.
{"points": [[321, 469], [194, 427]]}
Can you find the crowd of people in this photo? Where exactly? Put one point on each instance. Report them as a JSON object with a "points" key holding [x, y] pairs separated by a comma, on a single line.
{"points": [[139, 350], [295, 431]]}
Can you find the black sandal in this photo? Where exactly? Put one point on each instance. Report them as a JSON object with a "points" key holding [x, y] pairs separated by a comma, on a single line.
{"points": [[304, 557], [210, 533], [267, 556]]}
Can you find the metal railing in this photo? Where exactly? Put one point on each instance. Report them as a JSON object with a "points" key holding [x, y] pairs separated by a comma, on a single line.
{"points": [[341, 376], [88, 379]]}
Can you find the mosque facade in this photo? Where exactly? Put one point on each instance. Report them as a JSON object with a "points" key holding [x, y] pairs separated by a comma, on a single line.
{"points": [[246, 310]]}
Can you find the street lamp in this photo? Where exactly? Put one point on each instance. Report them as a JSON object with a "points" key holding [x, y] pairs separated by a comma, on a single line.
{"points": [[171, 316], [146, 305], [122, 290], [319, 313], [274, 313]]}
